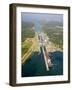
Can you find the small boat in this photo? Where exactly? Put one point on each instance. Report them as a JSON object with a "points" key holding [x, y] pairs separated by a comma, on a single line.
{"points": [[50, 64]]}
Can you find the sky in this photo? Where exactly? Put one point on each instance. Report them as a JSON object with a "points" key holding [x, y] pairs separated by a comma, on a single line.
{"points": [[37, 17]]}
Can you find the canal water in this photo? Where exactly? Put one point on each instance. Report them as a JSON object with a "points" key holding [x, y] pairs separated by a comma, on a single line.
{"points": [[35, 65]]}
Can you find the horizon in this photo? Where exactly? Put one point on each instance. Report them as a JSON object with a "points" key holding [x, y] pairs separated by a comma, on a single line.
{"points": [[41, 17]]}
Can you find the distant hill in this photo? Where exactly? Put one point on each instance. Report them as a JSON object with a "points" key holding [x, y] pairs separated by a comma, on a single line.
{"points": [[54, 23]]}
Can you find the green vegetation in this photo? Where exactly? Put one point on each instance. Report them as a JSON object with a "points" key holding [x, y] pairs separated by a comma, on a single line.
{"points": [[54, 30], [27, 31], [27, 35]]}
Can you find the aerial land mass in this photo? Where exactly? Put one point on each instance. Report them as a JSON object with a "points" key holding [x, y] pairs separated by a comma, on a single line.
{"points": [[29, 44]]}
